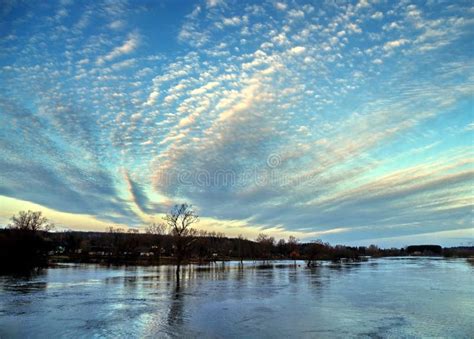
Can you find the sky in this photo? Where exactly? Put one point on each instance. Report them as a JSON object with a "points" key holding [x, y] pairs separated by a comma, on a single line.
{"points": [[346, 121]]}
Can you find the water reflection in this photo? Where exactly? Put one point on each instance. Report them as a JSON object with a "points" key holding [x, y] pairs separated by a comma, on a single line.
{"points": [[176, 314], [24, 282], [399, 297]]}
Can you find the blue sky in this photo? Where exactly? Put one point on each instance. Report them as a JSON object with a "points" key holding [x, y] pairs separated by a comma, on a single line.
{"points": [[349, 121]]}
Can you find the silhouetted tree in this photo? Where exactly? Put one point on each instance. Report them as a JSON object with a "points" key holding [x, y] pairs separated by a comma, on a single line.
{"points": [[25, 243], [282, 248], [240, 245], [158, 230], [72, 241], [30, 221], [293, 248], [266, 245], [373, 250], [424, 249], [131, 240], [179, 220], [315, 249], [118, 239]]}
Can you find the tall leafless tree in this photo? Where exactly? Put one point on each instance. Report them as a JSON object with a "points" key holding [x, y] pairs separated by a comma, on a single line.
{"points": [[30, 221], [179, 221]]}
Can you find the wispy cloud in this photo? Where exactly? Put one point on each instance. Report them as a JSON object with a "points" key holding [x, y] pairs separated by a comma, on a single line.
{"points": [[126, 48], [343, 121]]}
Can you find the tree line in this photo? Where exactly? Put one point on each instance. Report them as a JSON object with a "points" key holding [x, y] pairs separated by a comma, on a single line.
{"points": [[28, 242]]}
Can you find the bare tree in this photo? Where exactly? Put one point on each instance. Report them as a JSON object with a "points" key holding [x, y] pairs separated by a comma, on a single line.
{"points": [[293, 248], [30, 221], [241, 240], [26, 244], [158, 230], [316, 248], [179, 220], [266, 245], [281, 247], [114, 230]]}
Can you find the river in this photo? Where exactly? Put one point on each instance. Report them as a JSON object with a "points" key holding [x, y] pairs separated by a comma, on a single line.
{"points": [[387, 297]]}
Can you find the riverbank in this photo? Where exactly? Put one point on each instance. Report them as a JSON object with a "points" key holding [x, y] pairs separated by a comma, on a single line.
{"points": [[20, 249]]}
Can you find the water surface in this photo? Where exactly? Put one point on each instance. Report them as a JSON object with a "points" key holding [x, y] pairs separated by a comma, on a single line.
{"points": [[393, 297]]}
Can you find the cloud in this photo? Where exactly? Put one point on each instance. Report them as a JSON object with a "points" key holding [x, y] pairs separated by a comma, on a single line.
{"points": [[353, 28], [377, 16], [297, 50], [201, 90], [469, 127], [117, 24], [281, 6], [296, 13], [139, 197], [213, 3], [152, 98], [191, 32], [128, 47], [233, 21], [388, 46], [68, 189]]}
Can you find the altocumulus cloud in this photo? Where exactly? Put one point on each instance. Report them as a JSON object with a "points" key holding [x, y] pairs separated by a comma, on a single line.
{"points": [[346, 121]]}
